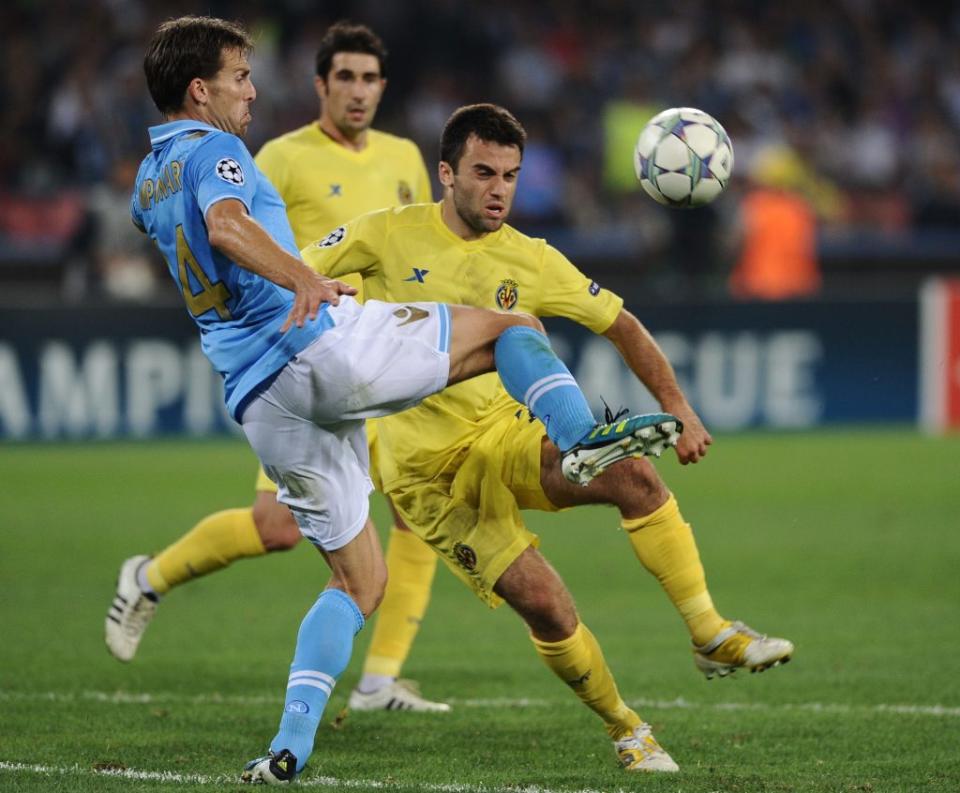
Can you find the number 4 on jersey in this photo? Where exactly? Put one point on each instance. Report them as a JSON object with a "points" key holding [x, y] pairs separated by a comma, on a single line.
{"points": [[211, 295]]}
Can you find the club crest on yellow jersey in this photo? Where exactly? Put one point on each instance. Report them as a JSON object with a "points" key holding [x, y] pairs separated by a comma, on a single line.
{"points": [[508, 293], [404, 193]]}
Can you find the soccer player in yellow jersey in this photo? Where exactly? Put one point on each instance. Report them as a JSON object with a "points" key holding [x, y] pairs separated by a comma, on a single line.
{"points": [[327, 173], [461, 466]]}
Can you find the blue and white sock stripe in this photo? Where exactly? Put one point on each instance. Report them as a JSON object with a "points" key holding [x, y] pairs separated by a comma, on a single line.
{"points": [[313, 679], [545, 385], [443, 343]]}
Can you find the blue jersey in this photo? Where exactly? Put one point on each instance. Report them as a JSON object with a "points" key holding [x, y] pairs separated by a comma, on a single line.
{"points": [[239, 313]]}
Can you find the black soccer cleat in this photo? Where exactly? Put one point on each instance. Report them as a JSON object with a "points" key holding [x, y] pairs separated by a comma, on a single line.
{"points": [[275, 768]]}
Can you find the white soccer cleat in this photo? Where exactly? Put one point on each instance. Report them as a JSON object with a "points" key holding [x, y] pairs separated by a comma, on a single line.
{"points": [[640, 751], [275, 768], [637, 436], [739, 646], [398, 695], [130, 613]]}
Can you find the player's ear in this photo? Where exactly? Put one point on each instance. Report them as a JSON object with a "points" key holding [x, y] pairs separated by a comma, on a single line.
{"points": [[320, 86], [445, 172], [197, 91]]}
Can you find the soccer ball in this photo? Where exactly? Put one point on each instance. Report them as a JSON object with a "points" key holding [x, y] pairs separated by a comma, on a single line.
{"points": [[683, 157]]}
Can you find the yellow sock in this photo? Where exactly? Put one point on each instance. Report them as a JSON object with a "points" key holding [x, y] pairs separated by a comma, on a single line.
{"points": [[578, 661], [664, 543], [215, 542], [411, 565]]}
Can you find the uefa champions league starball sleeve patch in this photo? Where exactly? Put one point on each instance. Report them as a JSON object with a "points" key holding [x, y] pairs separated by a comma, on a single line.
{"points": [[230, 171], [335, 237]]}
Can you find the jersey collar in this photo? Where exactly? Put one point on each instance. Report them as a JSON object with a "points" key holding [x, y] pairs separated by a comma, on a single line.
{"points": [[161, 133], [487, 239]]}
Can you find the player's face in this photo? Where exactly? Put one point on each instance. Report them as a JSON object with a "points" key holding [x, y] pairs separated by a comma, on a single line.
{"points": [[230, 94], [351, 92], [483, 185]]}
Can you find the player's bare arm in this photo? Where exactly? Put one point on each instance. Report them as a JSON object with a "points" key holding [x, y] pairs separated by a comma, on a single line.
{"points": [[232, 231], [646, 360]]}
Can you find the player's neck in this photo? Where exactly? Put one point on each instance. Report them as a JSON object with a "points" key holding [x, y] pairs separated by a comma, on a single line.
{"points": [[356, 143]]}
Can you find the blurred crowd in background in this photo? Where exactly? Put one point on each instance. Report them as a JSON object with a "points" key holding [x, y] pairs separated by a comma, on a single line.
{"points": [[849, 109]]}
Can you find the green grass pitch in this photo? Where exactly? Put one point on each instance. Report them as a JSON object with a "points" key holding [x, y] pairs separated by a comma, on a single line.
{"points": [[846, 542]]}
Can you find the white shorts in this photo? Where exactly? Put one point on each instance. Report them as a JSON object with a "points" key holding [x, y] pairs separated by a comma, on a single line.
{"points": [[307, 425]]}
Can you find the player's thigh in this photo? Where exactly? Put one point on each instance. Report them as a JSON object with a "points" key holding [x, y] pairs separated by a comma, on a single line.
{"points": [[320, 471], [474, 332], [472, 521], [377, 360]]}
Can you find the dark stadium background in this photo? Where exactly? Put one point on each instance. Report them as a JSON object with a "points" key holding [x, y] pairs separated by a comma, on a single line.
{"points": [[858, 102]]}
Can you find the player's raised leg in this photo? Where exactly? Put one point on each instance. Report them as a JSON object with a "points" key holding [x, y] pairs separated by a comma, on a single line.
{"points": [[665, 544], [534, 376]]}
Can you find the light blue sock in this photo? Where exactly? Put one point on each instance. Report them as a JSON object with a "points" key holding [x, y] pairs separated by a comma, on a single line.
{"points": [[534, 375], [324, 645]]}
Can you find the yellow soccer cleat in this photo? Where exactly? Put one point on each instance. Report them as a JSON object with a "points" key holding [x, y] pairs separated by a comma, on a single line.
{"points": [[739, 646], [640, 751]]}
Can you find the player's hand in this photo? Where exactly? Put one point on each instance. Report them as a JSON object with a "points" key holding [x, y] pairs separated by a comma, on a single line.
{"points": [[694, 440], [311, 291]]}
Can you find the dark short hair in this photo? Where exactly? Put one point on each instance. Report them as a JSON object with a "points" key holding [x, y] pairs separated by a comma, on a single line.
{"points": [[346, 36], [490, 123], [185, 48]]}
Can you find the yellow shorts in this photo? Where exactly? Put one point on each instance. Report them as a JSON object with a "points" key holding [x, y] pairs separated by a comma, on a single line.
{"points": [[471, 517], [265, 484]]}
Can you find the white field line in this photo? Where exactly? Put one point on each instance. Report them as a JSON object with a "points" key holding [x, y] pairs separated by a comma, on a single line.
{"points": [[169, 698], [171, 778]]}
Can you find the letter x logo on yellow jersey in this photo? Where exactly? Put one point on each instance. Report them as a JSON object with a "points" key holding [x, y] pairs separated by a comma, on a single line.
{"points": [[410, 314]]}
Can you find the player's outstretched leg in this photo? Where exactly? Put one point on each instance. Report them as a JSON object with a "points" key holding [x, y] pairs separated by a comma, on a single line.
{"points": [[212, 544], [534, 376]]}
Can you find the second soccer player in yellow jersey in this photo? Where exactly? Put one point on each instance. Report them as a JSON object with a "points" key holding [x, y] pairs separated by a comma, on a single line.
{"points": [[461, 466]]}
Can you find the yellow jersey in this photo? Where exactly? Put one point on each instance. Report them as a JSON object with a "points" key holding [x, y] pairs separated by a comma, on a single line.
{"points": [[408, 254], [324, 184]]}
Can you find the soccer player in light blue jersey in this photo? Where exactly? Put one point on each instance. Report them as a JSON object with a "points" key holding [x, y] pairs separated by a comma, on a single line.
{"points": [[304, 364]]}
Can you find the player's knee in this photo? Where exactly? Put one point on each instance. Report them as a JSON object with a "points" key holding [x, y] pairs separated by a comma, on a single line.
{"points": [[551, 619], [275, 524], [530, 321], [638, 488]]}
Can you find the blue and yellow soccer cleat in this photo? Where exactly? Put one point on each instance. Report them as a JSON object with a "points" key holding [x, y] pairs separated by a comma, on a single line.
{"points": [[606, 444], [639, 751], [276, 768], [740, 647]]}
